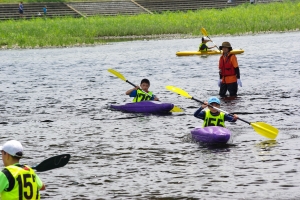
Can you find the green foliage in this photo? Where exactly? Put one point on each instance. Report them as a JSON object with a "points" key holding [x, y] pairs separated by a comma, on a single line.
{"points": [[246, 18]]}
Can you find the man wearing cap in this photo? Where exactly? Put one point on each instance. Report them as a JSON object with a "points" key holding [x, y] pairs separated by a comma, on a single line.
{"points": [[203, 46], [17, 181], [212, 116], [229, 72]]}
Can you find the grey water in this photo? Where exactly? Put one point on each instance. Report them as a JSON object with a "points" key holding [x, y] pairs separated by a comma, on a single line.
{"points": [[56, 101]]}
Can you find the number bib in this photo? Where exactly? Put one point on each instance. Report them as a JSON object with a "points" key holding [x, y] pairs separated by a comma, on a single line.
{"points": [[141, 96], [22, 183], [211, 120]]}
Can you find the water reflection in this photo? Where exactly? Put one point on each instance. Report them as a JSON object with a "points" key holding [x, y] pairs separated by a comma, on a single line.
{"points": [[267, 145]]}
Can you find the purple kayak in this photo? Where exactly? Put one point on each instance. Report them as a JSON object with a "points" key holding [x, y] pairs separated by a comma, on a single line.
{"points": [[211, 134], [153, 107]]}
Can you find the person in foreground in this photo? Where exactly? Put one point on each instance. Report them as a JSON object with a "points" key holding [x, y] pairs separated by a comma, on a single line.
{"points": [[203, 46], [141, 93], [213, 117], [17, 181], [229, 72]]}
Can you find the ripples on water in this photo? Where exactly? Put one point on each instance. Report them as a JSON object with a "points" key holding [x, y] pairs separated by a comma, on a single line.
{"points": [[57, 101]]}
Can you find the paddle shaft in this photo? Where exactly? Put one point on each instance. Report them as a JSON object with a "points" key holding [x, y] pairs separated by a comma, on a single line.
{"points": [[213, 42], [130, 83], [220, 110]]}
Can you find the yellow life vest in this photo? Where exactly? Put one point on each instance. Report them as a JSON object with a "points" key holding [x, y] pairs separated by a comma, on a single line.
{"points": [[211, 120], [22, 183], [141, 96], [201, 46]]}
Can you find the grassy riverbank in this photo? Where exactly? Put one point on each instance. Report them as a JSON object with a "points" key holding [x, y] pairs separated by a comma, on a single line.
{"points": [[242, 19]]}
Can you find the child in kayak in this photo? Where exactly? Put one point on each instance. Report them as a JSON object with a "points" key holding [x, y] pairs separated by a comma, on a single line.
{"points": [[16, 177], [141, 93], [203, 46], [213, 117]]}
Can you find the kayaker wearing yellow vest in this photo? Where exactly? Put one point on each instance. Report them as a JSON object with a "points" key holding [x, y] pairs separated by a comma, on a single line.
{"points": [[229, 72], [213, 117], [203, 46], [141, 93], [17, 181]]}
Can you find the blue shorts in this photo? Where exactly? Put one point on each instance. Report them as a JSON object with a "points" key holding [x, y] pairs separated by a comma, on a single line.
{"points": [[21, 11]]}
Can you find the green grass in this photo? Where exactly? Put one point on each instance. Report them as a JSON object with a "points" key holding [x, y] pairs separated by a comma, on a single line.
{"points": [[242, 19]]}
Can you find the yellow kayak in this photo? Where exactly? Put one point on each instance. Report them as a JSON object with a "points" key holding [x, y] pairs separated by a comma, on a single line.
{"points": [[211, 52]]}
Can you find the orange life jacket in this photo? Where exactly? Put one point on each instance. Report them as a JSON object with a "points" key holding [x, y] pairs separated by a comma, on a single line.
{"points": [[225, 66]]}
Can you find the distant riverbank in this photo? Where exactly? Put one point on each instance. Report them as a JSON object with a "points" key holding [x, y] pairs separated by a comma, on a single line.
{"points": [[62, 32]]}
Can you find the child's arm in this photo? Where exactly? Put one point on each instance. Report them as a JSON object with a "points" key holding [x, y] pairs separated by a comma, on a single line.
{"points": [[199, 113], [230, 118], [212, 47], [128, 92], [155, 98]]}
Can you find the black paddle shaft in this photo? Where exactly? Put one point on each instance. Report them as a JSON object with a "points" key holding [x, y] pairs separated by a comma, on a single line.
{"points": [[130, 83], [220, 110], [52, 163]]}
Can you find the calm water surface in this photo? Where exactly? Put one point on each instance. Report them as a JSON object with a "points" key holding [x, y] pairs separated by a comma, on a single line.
{"points": [[57, 101]]}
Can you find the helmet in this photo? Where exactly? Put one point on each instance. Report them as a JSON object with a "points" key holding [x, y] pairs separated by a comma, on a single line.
{"points": [[205, 38], [214, 100]]}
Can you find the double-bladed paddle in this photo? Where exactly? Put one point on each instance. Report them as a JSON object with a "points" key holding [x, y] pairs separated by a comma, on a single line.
{"points": [[204, 32], [52, 163], [261, 128], [119, 75]]}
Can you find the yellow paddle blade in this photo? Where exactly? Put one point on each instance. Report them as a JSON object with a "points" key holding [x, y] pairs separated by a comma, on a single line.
{"points": [[204, 32], [117, 74], [176, 109], [178, 91], [265, 130]]}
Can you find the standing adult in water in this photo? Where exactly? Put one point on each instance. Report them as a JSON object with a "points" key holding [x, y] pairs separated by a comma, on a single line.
{"points": [[21, 9], [229, 72]]}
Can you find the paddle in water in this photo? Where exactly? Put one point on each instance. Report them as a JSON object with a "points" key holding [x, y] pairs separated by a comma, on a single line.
{"points": [[261, 128], [52, 163], [119, 75], [204, 32]]}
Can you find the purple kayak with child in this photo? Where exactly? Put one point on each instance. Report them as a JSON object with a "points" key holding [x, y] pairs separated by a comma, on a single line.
{"points": [[152, 107], [211, 134]]}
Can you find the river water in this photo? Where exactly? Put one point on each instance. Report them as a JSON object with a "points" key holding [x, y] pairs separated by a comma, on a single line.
{"points": [[56, 101]]}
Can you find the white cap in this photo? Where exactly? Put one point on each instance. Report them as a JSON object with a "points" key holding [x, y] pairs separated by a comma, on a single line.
{"points": [[205, 38], [13, 148]]}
